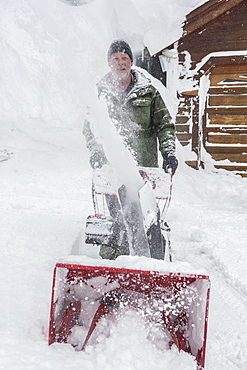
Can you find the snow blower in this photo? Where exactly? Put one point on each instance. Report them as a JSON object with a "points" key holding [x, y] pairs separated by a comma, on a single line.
{"points": [[84, 296]]}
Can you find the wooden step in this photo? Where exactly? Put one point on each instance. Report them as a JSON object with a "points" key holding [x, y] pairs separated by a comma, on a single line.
{"points": [[184, 138], [182, 119], [193, 164], [182, 128]]}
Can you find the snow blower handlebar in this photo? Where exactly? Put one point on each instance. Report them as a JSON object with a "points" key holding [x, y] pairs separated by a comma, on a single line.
{"points": [[168, 199], [163, 224]]}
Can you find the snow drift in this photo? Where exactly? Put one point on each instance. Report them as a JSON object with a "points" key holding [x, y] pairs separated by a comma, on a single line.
{"points": [[52, 54]]}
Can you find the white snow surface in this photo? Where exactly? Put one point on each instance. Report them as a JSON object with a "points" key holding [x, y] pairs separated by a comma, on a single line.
{"points": [[52, 55]]}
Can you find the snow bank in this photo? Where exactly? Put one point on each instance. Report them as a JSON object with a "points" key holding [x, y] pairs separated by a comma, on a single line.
{"points": [[52, 54]]}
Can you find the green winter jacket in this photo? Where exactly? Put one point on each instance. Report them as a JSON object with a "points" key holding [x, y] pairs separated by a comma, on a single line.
{"points": [[141, 118]]}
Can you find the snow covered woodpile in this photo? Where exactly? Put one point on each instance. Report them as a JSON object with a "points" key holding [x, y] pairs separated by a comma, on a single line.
{"points": [[212, 112]]}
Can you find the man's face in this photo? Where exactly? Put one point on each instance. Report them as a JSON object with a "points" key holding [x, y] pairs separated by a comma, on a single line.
{"points": [[120, 64]]}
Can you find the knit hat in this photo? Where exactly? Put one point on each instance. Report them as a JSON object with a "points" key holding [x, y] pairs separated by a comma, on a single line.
{"points": [[119, 46]]}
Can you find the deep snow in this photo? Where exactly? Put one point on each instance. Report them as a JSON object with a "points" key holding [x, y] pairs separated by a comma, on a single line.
{"points": [[52, 54]]}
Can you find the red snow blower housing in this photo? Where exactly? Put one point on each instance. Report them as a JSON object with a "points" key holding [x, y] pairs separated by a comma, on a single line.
{"points": [[85, 296]]}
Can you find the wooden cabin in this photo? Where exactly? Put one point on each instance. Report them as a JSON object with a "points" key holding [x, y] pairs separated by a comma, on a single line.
{"points": [[215, 39], [212, 72]]}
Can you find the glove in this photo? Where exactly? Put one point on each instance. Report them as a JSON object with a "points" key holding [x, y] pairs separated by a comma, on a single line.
{"points": [[170, 162], [97, 154], [97, 158]]}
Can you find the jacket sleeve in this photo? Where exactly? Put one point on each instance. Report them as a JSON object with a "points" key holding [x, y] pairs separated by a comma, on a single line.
{"points": [[162, 124]]}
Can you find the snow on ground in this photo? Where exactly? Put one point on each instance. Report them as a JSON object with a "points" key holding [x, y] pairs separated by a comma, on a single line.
{"points": [[52, 54]]}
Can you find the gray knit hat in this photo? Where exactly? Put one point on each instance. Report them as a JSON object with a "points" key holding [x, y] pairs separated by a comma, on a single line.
{"points": [[119, 46]]}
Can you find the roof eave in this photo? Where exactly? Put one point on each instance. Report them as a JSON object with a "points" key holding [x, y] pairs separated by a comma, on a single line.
{"points": [[207, 12]]}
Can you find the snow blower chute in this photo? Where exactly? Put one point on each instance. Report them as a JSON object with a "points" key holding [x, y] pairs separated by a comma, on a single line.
{"points": [[85, 296]]}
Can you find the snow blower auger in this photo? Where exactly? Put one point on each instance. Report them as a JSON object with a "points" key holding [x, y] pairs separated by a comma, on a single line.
{"points": [[110, 227], [85, 299]]}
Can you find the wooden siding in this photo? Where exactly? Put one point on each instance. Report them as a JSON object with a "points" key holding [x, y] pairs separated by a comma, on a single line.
{"points": [[206, 13], [227, 32], [226, 119], [227, 100], [217, 33], [225, 130]]}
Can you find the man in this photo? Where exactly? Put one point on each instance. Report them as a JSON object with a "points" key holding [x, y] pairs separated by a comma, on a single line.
{"points": [[143, 121], [138, 111]]}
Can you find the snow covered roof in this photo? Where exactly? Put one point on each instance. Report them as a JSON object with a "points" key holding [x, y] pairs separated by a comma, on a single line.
{"points": [[157, 39], [169, 27], [220, 54]]}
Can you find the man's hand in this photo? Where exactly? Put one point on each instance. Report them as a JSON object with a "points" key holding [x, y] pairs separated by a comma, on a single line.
{"points": [[97, 154], [170, 162], [98, 158]]}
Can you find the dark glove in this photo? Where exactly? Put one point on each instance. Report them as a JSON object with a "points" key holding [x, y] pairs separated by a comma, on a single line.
{"points": [[97, 158], [97, 154], [170, 162]]}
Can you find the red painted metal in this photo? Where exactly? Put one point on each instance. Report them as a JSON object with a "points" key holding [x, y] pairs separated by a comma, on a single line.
{"points": [[66, 308], [102, 311]]}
